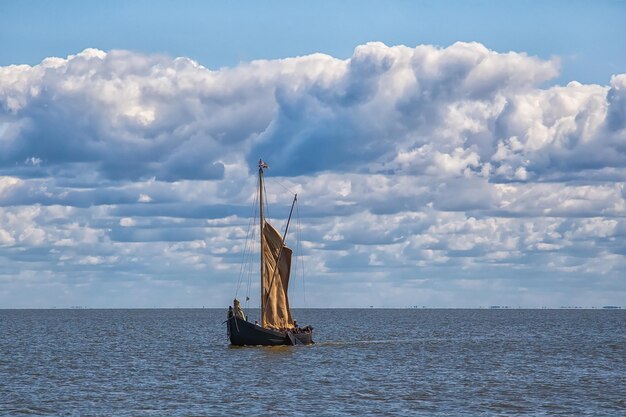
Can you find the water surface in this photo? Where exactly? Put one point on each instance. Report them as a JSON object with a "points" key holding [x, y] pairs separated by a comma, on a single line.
{"points": [[365, 362]]}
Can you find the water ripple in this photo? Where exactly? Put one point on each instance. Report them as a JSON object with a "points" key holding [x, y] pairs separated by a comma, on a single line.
{"points": [[365, 362]]}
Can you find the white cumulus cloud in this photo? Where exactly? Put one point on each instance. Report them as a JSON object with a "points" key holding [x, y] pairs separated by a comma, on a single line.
{"points": [[458, 164]]}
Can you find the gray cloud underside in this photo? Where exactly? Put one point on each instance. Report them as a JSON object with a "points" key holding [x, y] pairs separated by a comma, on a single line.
{"points": [[413, 165]]}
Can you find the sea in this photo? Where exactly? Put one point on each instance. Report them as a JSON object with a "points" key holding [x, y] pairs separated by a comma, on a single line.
{"points": [[365, 362]]}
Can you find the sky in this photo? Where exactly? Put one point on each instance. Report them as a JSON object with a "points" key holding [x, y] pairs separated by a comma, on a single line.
{"points": [[445, 154]]}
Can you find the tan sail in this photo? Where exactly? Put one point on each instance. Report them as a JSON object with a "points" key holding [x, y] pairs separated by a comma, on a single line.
{"points": [[276, 313]]}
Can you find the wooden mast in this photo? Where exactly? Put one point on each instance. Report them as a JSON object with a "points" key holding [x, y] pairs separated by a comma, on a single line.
{"points": [[261, 221]]}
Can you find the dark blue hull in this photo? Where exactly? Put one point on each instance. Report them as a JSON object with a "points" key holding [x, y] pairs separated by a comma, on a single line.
{"points": [[243, 333]]}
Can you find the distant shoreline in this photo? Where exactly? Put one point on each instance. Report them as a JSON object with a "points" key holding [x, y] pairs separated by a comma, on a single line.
{"points": [[496, 308]]}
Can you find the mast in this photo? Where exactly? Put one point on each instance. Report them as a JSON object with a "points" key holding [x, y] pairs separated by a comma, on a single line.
{"points": [[261, 221]]}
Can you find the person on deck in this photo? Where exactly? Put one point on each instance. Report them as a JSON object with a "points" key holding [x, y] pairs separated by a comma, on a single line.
{"points": [[238, 310]]}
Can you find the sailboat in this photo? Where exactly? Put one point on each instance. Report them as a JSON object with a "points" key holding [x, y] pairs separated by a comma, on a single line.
{"points": [[277, 326]]}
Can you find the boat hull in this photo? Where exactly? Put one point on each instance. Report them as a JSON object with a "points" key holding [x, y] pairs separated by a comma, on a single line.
{"points": [[244, 333]]}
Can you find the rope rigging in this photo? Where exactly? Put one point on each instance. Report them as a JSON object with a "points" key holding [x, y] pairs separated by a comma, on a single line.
{"points": [[248, 248]]}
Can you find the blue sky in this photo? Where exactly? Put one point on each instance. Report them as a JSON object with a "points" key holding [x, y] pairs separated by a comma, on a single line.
{"points": [[587, 37], [448, 154]]}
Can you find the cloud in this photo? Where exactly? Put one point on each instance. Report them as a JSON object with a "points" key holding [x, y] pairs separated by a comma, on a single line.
{"points": [[392, 100], [128, 116], [414, 166]]}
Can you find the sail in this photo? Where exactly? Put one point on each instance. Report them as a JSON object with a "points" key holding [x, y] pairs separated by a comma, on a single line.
{"points": [[276, 314]]}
